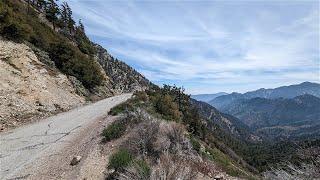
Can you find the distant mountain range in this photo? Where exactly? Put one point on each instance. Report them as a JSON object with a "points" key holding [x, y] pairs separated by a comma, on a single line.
{"points": [[207, 97], [279, 117], [284, 112], [281, 92]]}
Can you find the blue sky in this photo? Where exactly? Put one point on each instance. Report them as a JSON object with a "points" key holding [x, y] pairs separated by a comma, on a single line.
{"points": [[209, 46]]}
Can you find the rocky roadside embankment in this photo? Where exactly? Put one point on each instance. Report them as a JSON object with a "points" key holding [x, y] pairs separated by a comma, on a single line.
{"points": [[30, 89]]}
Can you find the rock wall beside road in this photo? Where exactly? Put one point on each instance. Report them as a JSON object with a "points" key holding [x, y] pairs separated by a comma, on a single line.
{"points": [[30, 89]]}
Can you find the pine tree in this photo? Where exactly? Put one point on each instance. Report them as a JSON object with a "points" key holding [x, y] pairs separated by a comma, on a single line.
{"points": [[52, 12], [84, 43], [81, 26], [71, 22], [28, 6], [64, 16]]}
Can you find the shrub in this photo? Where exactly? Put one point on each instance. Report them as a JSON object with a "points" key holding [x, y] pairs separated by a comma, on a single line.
{"points": [[120, 108], [114, 131], [176, 133], [137, 170], [12, 32], [141, 143], [38, 41], [167, 107], [143, 169], [175, 167], [84, 43], [226, 163], [73, 63], [141, 96], [178, 141], [195, 144], [120, 159]]}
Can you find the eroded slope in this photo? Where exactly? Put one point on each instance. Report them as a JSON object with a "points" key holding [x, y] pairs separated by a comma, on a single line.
{"points": [[29, 88]]}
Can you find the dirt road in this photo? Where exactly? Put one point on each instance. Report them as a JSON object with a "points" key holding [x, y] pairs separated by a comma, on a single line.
{"points": [[27, 150]]}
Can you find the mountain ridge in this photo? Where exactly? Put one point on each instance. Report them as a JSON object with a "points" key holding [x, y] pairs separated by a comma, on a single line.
{"points": [[207, 97], [281, 117], [226, 122], [283, 91]]}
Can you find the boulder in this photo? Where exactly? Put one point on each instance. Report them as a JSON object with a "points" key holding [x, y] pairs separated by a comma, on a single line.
{"points": [[75, 160]]}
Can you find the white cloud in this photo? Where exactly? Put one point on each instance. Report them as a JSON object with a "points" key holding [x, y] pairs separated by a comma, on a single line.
{"points": [[210, 43]]}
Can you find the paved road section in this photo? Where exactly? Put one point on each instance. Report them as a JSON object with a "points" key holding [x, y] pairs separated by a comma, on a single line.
{"points": [[22, 147]]}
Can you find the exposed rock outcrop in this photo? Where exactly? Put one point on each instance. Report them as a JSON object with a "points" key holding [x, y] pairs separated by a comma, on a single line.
{"points": [[123, 77], [30, 88]]}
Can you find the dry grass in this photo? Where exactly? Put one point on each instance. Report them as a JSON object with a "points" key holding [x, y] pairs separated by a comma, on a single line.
{"points": [[174, 167], [293, 172], [165, 148]]}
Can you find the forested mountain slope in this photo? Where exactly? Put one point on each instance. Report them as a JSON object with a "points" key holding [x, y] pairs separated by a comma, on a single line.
{"points": [[280, 117], [229, 124]]}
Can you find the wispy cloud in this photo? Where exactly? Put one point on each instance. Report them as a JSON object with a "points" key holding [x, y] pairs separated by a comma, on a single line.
{"points": [[210, 46]]}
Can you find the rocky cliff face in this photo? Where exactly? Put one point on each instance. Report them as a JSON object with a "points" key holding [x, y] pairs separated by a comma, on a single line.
{"points": [[30, 88], [123, 78]]}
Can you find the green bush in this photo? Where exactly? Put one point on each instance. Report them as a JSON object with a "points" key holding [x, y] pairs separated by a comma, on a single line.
{"points": [[139, 98], [86, 47], [83, 42], [195, 144], [225, 162], [165, 105], [71, 62], [143, 169], [121, 108], [12, 32], [114, 131], [120, 159]]}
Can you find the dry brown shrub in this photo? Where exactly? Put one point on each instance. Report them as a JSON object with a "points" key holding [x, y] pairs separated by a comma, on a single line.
{"points": [[293, 172], [168, 149], [141, 141], [151, 137], [172, 167]]}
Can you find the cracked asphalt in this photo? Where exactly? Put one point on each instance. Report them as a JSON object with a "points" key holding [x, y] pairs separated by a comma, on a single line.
{"points": [[24, 147]]}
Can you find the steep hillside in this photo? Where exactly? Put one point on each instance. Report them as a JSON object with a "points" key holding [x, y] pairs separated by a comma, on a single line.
{"points": [[163, 131], [207, 97], [68, 47], [284, 92], [30, 89], [229, 124], [280, 117], [123, 77], [293, 139]]}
